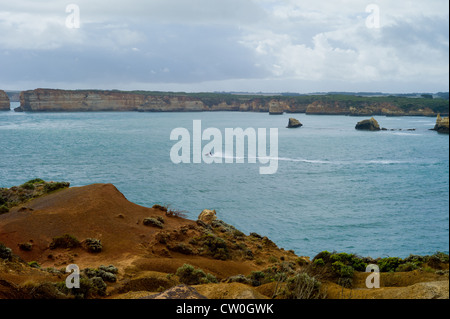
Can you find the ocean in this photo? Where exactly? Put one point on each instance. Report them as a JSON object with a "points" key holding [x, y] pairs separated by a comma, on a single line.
{"points": [[374, 194]]}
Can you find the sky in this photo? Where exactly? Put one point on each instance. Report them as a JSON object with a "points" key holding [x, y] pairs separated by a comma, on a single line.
{"points": [[226, 45]]}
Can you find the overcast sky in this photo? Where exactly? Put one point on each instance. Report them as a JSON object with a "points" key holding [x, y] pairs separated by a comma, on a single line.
{"points": [[226, 45]]}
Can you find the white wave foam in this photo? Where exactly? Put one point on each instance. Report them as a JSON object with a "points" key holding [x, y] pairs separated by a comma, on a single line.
{"points": [[315, 161], [406, 134]]}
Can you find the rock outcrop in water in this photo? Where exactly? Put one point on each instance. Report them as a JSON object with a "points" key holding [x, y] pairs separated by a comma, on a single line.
{"points": [[368, 125], [50, 100], [4, 101], [442, 124], [294, 123]]}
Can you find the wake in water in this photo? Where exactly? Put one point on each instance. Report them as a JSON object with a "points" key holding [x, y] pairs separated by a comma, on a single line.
{"points": [[312, 161]]}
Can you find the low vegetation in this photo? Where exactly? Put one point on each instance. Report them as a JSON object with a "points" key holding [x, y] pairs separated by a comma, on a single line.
{"points": [[64, 241], [93, 245], [341, 267], [18, 195], [193, 276], [170, 212], [5, 252], [151, 221]]}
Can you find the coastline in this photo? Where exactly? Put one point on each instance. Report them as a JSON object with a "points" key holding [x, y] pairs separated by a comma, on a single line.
{"points": [[56, 100], [149, 258]]}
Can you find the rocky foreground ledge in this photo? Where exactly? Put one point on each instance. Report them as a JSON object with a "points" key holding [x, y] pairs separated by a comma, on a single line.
{"points": [[127, 251]]}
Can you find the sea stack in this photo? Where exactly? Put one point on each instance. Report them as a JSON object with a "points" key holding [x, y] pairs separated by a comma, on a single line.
{"points": [[442, 125], [368, 125], [294, 123], [4, 101]]}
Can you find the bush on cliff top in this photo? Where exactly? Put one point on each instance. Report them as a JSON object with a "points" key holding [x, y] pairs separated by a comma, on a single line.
{"points": [[64, 241], [191, 276], [337, 261], [16, 195], [5, 252], [93, 245]]}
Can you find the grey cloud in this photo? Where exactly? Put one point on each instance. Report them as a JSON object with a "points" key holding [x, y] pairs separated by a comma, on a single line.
{"points": [[274, 45]]}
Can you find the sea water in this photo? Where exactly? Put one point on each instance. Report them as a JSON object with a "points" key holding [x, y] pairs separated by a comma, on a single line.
{"points": [[374, 194]]}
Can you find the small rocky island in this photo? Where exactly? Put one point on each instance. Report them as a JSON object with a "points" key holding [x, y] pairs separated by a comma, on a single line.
{"points": [[442, 125], [294, 123], [368, 125]]}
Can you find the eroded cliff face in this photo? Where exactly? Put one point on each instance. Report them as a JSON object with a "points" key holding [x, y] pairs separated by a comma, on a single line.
{"points": [[364, 109], [442, 124], [4, 101], [50, 100]]}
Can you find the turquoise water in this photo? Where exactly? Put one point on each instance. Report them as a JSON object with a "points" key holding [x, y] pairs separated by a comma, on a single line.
{"points": [[370, 193]]}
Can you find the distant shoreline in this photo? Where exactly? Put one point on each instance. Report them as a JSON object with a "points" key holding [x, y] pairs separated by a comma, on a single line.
{"points": [[55, 100]]}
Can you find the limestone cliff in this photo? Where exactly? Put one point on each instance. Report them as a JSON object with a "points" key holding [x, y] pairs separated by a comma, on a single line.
{"points": [[51, 100], [364, 109], [4, 101], [442, 125]]}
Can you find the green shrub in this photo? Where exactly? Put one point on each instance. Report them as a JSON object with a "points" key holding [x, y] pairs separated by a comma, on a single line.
{"points": [[408, 266], [89, 288], [342, 257], [64, 241], [319, 262], [150, 221], [237, 233], [34, 264], [342, 270], [442, 257], [303, 286], [256, 235], [28, 186], [163, 208], [35, 181], [389, 264], [324, 255], [111, 268], [5, 252], [211, 278], [191, 276], [53, 186], [99, 286], [106, 273], [93, 245], [257, 275], [160, 219], [215, 246]]}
